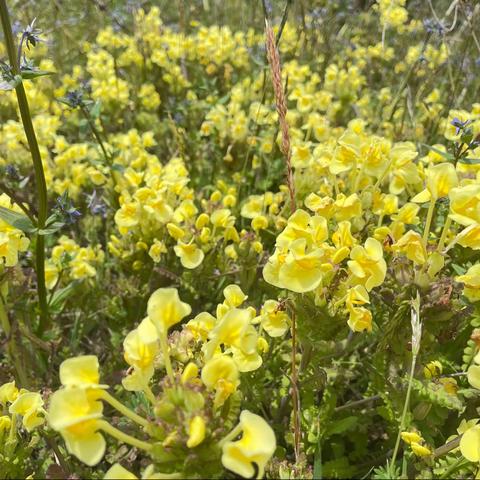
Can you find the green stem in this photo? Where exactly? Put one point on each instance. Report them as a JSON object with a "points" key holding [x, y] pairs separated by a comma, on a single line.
{"points": [[149, 394], [12, 437], [447, 447], [37, 164], [104, 395], [428, 222], [123, 437], [96, 134], [166, 355], [461, 461], [444, 234], [404, 413]]}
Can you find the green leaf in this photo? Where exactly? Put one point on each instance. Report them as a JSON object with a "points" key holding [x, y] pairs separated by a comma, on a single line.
{"points": [[54, 227], [341, 426], [118, 168], [459, 270], [96, 109], [17, 220], [29, 74], [469, 161], [61, 296], [446, 155], [317, 462]]}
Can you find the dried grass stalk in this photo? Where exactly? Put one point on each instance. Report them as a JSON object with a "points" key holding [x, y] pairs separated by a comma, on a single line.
{"points": [[281, 104]]}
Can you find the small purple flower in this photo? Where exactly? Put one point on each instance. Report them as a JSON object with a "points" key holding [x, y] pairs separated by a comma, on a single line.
{"points": [[459, 125]]}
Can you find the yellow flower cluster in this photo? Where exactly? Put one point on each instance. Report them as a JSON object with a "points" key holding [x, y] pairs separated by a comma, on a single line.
{"points": [[15, 404], [72, 262], [230, 344]]}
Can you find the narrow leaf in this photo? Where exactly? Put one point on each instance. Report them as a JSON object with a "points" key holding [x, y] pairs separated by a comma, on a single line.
{"points": [[17, 220]]}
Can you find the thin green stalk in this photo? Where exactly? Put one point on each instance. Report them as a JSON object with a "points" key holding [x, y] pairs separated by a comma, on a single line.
{"points": [[104, 395], [37, 164], [428, 222], [12, 437], [149, 394], [123, 437], [166, 356], [460, 462], [96, 134], [416, 338], [443, 236], [404, 413]]}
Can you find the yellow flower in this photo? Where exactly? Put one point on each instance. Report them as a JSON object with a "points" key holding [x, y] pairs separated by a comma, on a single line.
{"points": [[465, 204], [470, 444], [51, 274], [196, 431], [175, 231], [473, 375], [29, 405], [274, 320], [297, 227], [76, 416], [189, 372], [259, 223], [357, 295], [220, 374], [140, 355], [367, 264], [201, 325], [412, 246], [256, 446], [5, 424], [234, 329], [117, 472], [360, 319], [81, 372], [470, 237], [343, 237], [156, 250], [407, 214], [190, 255], [222, 218], [411, 437], [202, 221], [420, 450], [323, 206], [8, 392], [303, 271], [165, 309], [347, 153], [441, 178], [234, 296], [247, 362], [433, 369], [347, 207], [128, 215], [253, 207], [471, 281], [450, 385]]}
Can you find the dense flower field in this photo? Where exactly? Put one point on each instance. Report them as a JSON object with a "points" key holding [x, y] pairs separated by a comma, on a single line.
{"points": [[240, 240]]}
